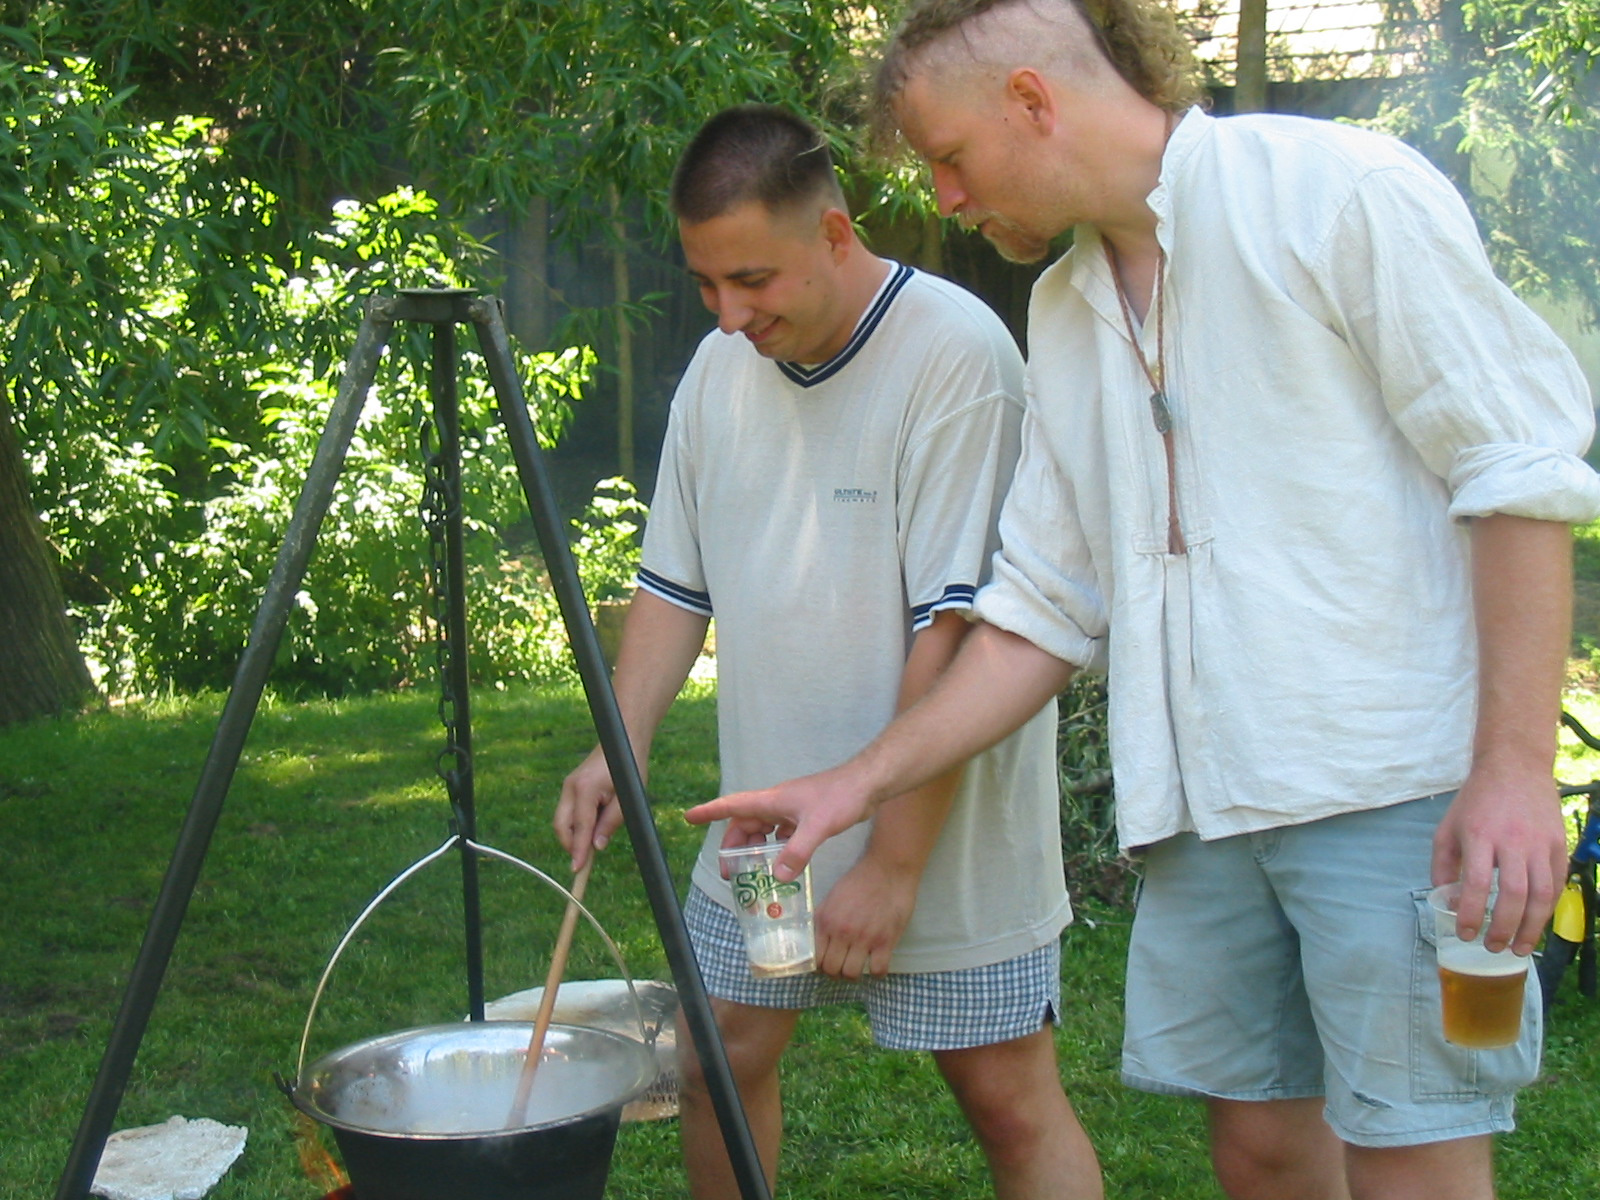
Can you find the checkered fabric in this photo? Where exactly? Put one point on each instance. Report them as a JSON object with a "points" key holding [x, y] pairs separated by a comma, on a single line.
{"points": [[939, 1010]]}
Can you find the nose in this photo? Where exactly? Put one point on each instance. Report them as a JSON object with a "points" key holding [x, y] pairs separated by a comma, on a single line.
{"points": [[732, 315], [947, 190]]}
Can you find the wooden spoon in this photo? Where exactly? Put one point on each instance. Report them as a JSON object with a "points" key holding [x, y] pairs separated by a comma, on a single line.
{"points": [[547, 1003]]}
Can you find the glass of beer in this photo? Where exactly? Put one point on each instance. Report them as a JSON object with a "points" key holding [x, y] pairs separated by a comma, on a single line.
{"points": [[1482, 989], [775, 916]]}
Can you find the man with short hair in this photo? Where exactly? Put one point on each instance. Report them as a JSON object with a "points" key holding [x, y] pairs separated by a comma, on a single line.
{"points": [[1298, 475], [833, 465]]}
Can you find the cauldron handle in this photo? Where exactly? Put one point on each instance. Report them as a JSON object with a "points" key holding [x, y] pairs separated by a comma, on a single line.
{"points": [[455, 839]]}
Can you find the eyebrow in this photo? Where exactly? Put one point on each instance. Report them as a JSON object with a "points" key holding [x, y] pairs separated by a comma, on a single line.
{"points": [[743, 273]]}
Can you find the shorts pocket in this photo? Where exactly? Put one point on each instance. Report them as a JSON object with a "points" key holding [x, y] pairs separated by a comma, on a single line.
{"points": [[1441, 1071]]}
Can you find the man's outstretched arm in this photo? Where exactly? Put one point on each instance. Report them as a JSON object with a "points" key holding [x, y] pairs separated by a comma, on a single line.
{"points": [[996, 683]]}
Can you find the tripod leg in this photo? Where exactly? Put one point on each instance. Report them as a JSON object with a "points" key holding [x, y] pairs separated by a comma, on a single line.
{"points": [[223, 758], [613, 734]]}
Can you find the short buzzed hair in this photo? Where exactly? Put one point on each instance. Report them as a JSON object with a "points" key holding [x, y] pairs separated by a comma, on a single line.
{"points": [[1139, 38], [753, 152]]}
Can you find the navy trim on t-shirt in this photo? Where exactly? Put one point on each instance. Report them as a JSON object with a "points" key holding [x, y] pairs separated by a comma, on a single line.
{"points": [[811, 376], [956, 595], [675, 593]]}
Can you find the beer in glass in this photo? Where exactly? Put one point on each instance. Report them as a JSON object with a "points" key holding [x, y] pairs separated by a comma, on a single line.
{"points": [[1481, 989]]}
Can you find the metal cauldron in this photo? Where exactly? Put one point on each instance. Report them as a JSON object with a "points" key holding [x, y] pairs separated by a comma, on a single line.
{"points": [[423, 1114]]}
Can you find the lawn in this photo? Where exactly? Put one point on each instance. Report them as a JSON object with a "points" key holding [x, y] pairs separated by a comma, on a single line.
{"points": [[331, 801]]}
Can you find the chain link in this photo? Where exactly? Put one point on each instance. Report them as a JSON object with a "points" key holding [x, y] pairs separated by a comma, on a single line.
{"points": [[440, 501]]}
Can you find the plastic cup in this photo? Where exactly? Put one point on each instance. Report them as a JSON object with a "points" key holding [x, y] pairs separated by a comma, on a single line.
{"points": [[774, 916], [1481, 988]]}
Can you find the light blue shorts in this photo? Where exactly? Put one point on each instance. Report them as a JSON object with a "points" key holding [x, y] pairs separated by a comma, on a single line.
{"points": [[935, 1010], [1300, 962]]}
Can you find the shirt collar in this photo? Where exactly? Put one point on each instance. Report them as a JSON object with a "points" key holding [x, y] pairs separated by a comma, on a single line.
{"points": [[1090, 270], [811, 375]]}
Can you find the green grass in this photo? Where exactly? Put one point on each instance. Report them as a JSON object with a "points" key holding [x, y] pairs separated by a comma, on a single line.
{"points": [[331, 801]]}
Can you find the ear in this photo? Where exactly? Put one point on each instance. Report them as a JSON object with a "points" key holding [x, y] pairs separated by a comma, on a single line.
{"points": [[1030, 94], [839, 233]]}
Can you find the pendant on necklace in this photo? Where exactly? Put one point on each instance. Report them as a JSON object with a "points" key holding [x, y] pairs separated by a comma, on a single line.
{"points": [[1161, 413]]}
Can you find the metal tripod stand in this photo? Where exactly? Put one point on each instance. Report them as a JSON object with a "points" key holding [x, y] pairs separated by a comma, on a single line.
{"points": [[443, 310]]}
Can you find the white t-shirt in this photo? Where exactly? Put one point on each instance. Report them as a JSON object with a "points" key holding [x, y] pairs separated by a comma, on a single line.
{"points": [[1347, 380], [823, 514]]}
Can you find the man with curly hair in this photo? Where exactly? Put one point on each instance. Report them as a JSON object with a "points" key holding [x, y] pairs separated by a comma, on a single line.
{"points": [[1299, 474]]}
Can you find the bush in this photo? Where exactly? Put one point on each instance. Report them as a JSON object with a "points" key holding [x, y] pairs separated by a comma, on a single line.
{"points": [[361, 615], [1088, 800], [167, 572]]}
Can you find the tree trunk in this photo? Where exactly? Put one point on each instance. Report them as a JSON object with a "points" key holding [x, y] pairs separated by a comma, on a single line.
{"points": [[625, 381], [41, 669], [1250, 69], [524, 251]]}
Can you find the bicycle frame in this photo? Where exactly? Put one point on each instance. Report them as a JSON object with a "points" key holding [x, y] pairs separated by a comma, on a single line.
{"points": [[1571, 933]]}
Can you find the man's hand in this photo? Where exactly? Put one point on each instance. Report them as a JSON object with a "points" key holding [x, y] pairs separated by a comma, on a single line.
{"points": [[1513, 825], [588, 813], [1506, 815], [860, 923], [806, 812]]}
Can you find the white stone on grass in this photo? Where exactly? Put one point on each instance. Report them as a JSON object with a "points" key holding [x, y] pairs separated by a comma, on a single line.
{"points": [[179, 1159]]}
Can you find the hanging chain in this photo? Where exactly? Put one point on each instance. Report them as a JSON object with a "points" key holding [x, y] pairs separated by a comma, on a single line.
{"points": [[440, 499]]}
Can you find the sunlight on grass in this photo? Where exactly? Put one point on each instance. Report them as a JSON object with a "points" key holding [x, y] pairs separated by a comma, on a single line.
{"points": [[335, 799]]}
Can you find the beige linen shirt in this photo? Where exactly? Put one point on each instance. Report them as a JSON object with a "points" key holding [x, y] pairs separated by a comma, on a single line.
{"points": [[1348, 382]]}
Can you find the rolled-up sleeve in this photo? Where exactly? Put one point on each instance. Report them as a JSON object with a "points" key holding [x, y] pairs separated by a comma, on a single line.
{"points": [[1481, 387], [1523, 481], [1044, 586]]}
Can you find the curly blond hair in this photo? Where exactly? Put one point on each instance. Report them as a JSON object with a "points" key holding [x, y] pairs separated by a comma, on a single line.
{"points": [[1140, 38]]}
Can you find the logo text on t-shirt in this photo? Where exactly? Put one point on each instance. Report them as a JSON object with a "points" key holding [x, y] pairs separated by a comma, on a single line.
{"points": [[854, 496]]}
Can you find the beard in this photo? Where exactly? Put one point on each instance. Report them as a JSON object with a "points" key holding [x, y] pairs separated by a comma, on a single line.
{"points": [[1012, 242]]}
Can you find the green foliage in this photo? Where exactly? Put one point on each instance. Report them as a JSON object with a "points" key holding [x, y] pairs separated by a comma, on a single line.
{"points": [[492, 103], [171, 366], [182, 616], [179, 277], [1586, 551], [586, 103], [607, 542], [169, 583], [1514, 90], [1088, 801]]}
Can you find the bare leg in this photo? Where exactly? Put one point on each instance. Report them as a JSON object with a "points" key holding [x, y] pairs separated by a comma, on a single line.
{"points": [[1276, 1150], [755, 1039], [1011, 1095], [1456, 1170]]}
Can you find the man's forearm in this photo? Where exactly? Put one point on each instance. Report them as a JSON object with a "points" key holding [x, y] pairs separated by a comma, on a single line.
{"points": [[997, 683], [1522, 596]]}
